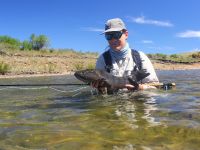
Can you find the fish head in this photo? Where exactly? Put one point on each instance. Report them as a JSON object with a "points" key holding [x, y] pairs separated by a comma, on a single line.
{"points": [[87, 76]]}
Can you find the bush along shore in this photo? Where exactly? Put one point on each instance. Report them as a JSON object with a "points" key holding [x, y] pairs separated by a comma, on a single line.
{"points": [[181, 61], [33, 57]]}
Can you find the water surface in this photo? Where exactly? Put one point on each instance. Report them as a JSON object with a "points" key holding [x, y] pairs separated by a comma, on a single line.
{"points": [[69, 117]]}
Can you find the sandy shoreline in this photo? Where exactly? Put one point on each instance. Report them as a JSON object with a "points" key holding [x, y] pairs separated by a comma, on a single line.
{"points": [[175, 66], [34, 75]]}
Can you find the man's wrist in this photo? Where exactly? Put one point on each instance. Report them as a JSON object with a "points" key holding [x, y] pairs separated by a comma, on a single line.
{"points": [[146, 86], [141, 87]]}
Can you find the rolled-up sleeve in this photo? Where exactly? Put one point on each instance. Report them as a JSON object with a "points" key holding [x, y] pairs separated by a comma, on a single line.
{"points": [[100, 63], [146, 64]]}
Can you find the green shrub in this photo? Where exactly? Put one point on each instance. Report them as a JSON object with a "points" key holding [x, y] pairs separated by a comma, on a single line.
{"points": [[150, 55], [196, 55], [4, 68], [26, 45], [79, 66], [39, 42], [51, 50], [12, 42], [51, 68], [91, 66], [174, 56], [161, 56]]}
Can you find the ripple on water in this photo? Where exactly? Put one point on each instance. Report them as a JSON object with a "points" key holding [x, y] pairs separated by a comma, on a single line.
{"points": [[72, 118]]}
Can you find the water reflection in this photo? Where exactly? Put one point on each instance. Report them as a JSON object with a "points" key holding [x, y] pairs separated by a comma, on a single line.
{"points": [[137, 108]]}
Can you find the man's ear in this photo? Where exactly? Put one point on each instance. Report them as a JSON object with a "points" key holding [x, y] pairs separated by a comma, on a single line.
{"points": [[126, 34]]}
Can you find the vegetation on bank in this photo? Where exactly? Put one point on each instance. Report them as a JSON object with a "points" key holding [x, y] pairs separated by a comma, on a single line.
{"points": [[4, 68], [34, 57], [192, 57], [34, 43], [45, 61]]}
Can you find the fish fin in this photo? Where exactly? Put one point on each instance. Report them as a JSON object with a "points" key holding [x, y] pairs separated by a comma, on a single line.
{"points": [[134, 83], [141, 74]]}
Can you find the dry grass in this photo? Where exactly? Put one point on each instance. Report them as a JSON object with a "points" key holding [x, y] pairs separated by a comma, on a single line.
{"points": [[46, 62], [175, 66]]}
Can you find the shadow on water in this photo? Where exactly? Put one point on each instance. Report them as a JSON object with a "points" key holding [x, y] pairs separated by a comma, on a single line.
{"points": [[71, 118]]}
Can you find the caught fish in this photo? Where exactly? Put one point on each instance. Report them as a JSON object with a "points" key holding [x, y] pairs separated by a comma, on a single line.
{"points": [[109, 80]]}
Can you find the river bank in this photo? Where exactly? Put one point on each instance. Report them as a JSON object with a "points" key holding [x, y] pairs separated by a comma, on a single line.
{"points": [[45, 63], [175, 66], [157, 66], [23, 64]]}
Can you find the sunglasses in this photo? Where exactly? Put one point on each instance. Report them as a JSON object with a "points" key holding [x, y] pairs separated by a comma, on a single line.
{"points": [[116, 35]]}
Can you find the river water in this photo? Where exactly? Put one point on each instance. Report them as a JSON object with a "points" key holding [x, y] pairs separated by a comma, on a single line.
{"points": [[70, 117]]}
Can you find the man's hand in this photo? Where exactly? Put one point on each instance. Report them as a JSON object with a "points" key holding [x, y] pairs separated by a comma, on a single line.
{"points": [[141, 87], [129, 87], [146, 86]]}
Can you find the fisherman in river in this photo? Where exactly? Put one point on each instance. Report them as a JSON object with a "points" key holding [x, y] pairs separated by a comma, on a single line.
{"points": [[120, 60]]}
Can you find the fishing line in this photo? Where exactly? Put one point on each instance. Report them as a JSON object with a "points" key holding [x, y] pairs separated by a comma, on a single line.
{"points": [[46, 87], [20, 88], [76, 94], [63, 91]]}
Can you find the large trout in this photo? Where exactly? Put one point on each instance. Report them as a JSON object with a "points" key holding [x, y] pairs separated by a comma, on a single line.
{"points": [[110, 81]]}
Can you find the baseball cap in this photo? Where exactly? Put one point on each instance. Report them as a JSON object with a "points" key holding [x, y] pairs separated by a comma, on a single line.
{"points": [[115, 24]]}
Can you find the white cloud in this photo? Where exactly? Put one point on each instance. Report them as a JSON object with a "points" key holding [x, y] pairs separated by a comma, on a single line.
{"points": [[195, 50], [92, 29], [147, 41], [163, 48], [189, 34], [143, 20]]}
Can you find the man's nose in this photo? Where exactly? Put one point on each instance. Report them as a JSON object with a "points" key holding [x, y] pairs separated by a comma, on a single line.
{"points": [[113, 39]]}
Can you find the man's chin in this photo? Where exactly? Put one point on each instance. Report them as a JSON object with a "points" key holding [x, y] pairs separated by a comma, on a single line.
{"points": [[116, 48]]}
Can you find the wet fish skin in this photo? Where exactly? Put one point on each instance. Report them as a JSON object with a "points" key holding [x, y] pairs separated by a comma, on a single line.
{"points": [[89, 76]]}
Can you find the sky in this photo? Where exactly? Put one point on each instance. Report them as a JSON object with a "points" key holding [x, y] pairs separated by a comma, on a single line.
{"points": [[154, 26]]}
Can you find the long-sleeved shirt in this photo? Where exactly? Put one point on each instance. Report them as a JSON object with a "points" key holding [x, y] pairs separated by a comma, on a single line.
{"points": [[124, 66]]}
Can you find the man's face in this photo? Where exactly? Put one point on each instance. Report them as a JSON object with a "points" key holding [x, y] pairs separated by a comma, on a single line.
{"points": [[117, 39]]}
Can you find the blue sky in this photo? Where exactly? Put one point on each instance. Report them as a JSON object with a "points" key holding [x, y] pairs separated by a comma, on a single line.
{"points": [[155, 26]]}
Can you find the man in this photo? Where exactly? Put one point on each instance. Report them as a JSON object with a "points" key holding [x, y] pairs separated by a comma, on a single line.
{"points": [[121, 56]]}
